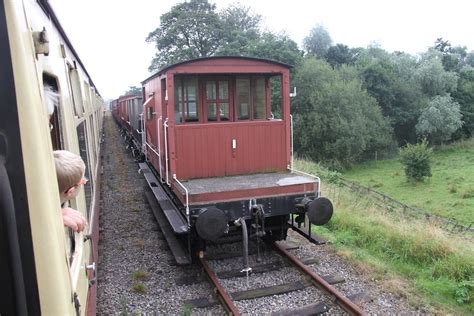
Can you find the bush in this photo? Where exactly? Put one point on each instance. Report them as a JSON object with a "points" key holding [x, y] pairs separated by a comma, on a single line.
{"points": [[417, 160]]}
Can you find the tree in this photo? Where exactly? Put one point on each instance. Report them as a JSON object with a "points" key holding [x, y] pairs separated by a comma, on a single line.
{"points": [[464, 95], [340, 54], [317, 42], [190, 30], [278, 47], [470, 59], [133, 90], [417, 160], [432, 76], [453, 58], [193, 29], [336, 121], [389, 78], [440, 119], [241, 28]]}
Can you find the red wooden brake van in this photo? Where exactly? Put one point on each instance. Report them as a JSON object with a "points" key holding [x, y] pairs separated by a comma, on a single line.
{"points": [[218, 133]]}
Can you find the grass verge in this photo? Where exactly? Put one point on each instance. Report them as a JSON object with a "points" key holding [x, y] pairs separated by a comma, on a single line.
{"points": [[448, 193], [436, 266]]}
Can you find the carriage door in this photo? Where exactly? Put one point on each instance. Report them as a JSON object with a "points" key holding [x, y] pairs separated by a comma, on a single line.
{"points": [[217, 110]]}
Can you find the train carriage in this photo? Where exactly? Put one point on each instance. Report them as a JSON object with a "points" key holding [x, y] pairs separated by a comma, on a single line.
{"points": [[218, 133], [127, 111], [48, 102]]}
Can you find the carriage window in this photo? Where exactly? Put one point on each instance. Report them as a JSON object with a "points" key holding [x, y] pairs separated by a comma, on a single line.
{"points": [[51, 100], [76, 91], [82, 137], [178, 101], [217, 100], [242, 98], [211, 96], [259, 99], [276, 97], [224, 100], [186, 100]]}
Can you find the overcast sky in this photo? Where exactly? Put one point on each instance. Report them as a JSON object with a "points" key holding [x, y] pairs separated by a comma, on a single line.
{"points": [[109, 35]]}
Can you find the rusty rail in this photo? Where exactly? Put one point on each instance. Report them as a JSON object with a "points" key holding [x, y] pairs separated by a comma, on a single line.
{"points": [[339, 298], [221, 292]]}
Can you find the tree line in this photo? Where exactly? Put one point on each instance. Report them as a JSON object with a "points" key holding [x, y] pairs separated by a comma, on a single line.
{"points": [[351, 102]]}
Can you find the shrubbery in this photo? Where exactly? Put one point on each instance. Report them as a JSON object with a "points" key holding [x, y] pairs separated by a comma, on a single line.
{"points": [[417, 160]]}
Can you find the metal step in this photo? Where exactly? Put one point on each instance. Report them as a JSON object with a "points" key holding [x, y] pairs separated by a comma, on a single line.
{"points": [[179, 253], [174, 217]]}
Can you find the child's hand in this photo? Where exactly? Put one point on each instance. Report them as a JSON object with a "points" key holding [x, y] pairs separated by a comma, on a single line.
{"points": [[73, 219]]}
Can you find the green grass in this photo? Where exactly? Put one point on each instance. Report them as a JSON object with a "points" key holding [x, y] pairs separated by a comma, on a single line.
{"points": [[139, 288], [140, 275], [448, 193], [409, 256]]}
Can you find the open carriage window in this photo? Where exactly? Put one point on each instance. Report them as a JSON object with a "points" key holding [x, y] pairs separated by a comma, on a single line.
{"points": [[51, 101]]}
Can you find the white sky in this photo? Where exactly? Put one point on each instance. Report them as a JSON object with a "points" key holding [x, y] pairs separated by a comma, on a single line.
{"points": [[109, 35]]}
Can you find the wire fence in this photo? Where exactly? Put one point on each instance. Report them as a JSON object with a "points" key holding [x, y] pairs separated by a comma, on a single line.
{"points": [[392, 205]]}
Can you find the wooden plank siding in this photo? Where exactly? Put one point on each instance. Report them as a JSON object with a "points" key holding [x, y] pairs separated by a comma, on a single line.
{"points": [[205, 150]]}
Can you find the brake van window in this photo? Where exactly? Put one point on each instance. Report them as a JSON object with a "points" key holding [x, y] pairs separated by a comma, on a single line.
{"points": [[186, 100]]}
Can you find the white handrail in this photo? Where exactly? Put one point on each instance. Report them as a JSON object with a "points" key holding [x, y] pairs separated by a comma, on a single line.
{"points": [[159, 147], [187, 199], [166, 150], [291, 133], [143, 133]]}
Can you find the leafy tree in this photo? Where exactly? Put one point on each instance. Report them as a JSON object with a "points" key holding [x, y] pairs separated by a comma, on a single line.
{"points": [[340, 54], [440, 119], [470, 59], [464, 95], [133, 90], [432, 76], [389, 78], [241, 27], [453, 58], [336, 121], [417, 160], [442, 45], [317, 42], [190, 30], [193, 29], [278, 47]]}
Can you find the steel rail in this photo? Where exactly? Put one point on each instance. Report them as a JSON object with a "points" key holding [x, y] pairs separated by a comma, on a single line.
{"points": [[339, 298], [222, 293]]}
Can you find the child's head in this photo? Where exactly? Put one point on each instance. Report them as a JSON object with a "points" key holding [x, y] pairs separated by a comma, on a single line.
{"points": [[70, 170]]}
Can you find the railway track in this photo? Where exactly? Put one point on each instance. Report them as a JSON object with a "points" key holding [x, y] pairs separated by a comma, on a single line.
{"points": [[329, 299]]}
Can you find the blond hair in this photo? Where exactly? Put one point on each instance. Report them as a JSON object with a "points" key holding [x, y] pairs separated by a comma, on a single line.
{"points": [[70, 169]]}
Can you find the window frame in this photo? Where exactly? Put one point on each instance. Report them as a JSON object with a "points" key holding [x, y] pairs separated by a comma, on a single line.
{"points": [[217, 100], [179, 83], [202, 101]]}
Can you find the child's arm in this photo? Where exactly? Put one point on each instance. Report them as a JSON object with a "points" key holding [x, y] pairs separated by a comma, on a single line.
{"points": [[73, 219]]}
